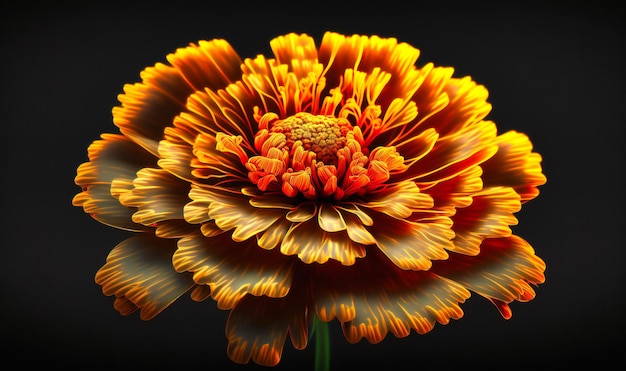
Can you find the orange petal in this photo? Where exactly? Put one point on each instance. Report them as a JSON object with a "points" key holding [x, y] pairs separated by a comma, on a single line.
{"points": [[339, 53], [150, 106], [139, 270], [232, 269], [210, 64], [464, 148], [373, 298], [233, 211], [258, 326], [502, 271], [176, 154], [489, 216], [293, 49], [157, 195], [218, 167], [113, 159], [312, 244], [467, 105], [412, 245], [515, 165]]}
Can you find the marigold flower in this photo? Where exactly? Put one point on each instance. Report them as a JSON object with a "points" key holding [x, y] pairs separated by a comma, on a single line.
{"points": [[339, 182]]}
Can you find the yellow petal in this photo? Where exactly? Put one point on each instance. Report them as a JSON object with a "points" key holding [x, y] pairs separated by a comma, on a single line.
{"points": [[140, 271], [502, 270], [373, 298], [515, 165], [329, 218], [258, 326], [312, 244], [233, 269], [489, 216], [413, 245]]}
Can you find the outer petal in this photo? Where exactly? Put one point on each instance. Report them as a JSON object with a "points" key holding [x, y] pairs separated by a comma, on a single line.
{"points": [[514, 165], [489, 216], [150, 106], [257, 328], [114, 158], [233, 270], [297, 51], [374, 297], [139, 273], [501, 272], [157, 195]]}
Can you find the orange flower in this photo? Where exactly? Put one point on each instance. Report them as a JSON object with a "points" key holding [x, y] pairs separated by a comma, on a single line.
{"points": [[339, 182]]}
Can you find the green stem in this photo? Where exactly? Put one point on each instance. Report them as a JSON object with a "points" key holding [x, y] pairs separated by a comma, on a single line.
{"points": [[322, 346]]}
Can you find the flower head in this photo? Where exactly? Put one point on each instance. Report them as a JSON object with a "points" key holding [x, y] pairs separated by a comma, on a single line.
{"points": [[332, 182]]}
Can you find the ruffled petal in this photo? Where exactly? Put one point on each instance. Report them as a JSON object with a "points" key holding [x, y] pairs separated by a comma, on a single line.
{"points": [[515, 165], [112, 159], [139, 273], [258, 326], [230, 211], [489, 216], [374, 297], [210, 64], [147, 108], [412, 245], [313, 244], [232, 269], [157, 195], [502, 272]]}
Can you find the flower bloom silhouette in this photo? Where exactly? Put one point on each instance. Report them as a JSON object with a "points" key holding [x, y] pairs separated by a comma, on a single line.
{"points": [[332, 182]]}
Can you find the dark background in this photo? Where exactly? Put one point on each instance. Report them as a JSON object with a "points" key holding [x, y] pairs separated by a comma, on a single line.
{"points": [[554, 73]]}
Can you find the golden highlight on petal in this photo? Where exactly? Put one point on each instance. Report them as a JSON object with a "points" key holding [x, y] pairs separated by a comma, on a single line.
{"points": [[233, 270], [372, 298], [139, 273], [504, 270]]}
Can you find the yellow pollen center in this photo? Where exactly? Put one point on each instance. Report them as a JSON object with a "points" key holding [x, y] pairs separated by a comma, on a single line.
{"points": [[322, 135]]}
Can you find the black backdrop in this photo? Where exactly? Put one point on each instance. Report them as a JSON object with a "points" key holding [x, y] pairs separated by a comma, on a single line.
{"points": [[555, 73]]}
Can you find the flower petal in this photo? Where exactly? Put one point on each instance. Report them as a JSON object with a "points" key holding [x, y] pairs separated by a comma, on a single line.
{"points": [[330, 219], [139, 273], [399, 200], [257, 328], [454, 153], [374, 297], [413, 244], [232, 269], [339, 53], [313, 244], [501, 272], [233, 211], [467, 105], [294, 50], [515, 165], [489, 216], [114, 158], [157, 195], [210, 64], [150, 106]]}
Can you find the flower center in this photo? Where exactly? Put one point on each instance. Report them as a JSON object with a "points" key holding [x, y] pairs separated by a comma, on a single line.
{"points": [[313, 156], [323, 135]]}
